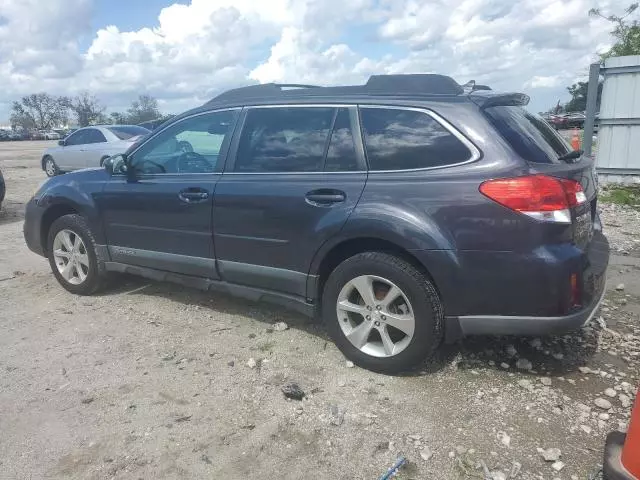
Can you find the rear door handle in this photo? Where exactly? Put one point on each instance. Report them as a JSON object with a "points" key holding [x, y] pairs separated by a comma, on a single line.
{"points": [[325, 197], [193, 195]]}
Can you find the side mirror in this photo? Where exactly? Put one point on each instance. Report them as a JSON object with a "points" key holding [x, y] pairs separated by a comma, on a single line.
{"points": [[62, 143], [116, 165]]}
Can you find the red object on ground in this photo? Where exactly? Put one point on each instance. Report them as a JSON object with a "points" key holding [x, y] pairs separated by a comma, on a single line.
{"points": [[575, 140], [622, 452], [631, 449]]}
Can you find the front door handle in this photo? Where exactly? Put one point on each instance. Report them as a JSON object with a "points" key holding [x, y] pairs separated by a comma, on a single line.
{"points": [[325, 197], [193, 195]]}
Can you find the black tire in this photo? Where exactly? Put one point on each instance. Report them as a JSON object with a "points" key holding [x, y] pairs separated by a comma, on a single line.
{"points": [[54, 170], [421, 293], [96, 274]]}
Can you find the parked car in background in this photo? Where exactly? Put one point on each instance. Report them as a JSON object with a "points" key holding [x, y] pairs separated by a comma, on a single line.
{"points": [[4, 135], [575, 119], [36, 135], [51, 135], [89, 147], [400, 212], [558, 121]]}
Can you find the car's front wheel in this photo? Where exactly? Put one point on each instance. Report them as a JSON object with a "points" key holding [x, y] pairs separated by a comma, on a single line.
{"points": [[382, 312], [50, 167], [72, 255]]}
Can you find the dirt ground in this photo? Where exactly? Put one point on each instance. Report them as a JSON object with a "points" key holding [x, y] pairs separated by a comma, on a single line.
{"points": [[154, 381]]}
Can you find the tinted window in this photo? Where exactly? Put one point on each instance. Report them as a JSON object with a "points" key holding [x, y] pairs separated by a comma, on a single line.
{"points": [[189, 146], [125, 132], [79, 137], [94, 136], [405, 139], [528, 134], [287, 139], [341, 156]]}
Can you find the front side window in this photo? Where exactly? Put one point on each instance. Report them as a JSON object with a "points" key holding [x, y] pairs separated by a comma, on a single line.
{"points": [[78, 137], [192, 145], [397, 139], [284, 139]]}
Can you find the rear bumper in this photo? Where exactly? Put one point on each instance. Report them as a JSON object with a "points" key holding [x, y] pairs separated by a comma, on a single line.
{"points": [[527, 325], [612, 467]]}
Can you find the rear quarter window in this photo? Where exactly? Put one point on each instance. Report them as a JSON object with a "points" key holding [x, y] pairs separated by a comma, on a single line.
{"points": [[399, 139], [528, 134]]}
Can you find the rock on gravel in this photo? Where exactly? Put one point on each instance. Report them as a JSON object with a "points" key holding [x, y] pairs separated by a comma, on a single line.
{"points": [[557, 466], [550, 454], [280, 327], [625, 400], [620, 287], [602, 403], [336, 415], [252, 363], [610, 392], [293, 391], [349, 364], [426, 453], [546, 381], [504, 438]]}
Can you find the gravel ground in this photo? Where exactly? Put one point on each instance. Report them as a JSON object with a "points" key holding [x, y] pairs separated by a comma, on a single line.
{"points": [[152, 380]]}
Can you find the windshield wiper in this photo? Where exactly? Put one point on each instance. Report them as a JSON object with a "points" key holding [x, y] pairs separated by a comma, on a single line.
{"points": [[570, 156]]}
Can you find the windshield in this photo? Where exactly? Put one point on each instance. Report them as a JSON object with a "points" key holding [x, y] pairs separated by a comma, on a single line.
{"points": [[125, 132], [529, 134]]}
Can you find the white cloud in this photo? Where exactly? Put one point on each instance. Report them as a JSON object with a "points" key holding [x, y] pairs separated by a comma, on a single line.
{"points": [[188, 53]]}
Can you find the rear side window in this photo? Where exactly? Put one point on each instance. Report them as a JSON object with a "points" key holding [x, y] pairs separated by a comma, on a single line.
{"points": [[125, 132], [94, 136], [284, 139], [397, 139], [528, 134]]}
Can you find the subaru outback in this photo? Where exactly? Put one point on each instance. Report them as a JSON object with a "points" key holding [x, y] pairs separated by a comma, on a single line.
{"points": [[401, 212]]}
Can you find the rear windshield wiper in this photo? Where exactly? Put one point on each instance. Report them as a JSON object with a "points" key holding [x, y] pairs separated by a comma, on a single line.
{"points": [[570, 156]]}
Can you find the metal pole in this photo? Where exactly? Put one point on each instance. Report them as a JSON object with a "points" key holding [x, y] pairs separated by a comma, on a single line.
{"points": [[592, 97]]}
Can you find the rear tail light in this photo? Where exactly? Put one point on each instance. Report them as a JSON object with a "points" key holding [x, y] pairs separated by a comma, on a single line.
{"points": [[541, 197]]}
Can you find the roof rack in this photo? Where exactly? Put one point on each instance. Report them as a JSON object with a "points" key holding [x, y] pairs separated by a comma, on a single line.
{"points": [[404, 84], [265, 89]]}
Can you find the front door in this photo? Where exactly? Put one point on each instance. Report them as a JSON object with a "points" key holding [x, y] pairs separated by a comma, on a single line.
{"points": [[71, 156], [159, 215], [296, 176]]}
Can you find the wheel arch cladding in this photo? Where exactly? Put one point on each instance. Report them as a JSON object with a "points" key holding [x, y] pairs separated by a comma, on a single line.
{"points": [[51, 215], [327, 261]]}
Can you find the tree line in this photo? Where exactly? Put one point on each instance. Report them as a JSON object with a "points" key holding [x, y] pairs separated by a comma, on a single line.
{"points": [[42, 111], [626, 33]]}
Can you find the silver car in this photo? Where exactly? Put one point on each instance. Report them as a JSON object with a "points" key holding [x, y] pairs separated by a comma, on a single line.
{"points": [[89, 147]]}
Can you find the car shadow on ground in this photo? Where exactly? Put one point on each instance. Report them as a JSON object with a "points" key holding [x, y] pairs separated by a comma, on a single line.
{"points": [[556, 355], [11, 212]]}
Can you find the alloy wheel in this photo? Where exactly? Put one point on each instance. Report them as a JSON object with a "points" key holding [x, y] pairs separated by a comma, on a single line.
{"points": [[375, 316], [71, 257]]}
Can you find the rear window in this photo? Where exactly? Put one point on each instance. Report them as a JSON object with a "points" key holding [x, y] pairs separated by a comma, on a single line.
{"points": [[129, 131], [528, 134]]}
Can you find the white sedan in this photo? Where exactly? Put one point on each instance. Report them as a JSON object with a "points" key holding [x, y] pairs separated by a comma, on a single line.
{"points": [[89, 147]]}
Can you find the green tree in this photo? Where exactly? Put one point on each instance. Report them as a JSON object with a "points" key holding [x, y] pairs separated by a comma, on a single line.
{"points": [[626, 32], [117, 118], [143, 109], [40, 110], [87, 109]]}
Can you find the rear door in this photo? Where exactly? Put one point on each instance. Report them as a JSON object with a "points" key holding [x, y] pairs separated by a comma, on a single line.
{"points": [[295, 176]]}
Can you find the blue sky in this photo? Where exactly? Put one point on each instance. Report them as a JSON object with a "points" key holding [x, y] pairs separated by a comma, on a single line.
{"points": [[185, 52]]}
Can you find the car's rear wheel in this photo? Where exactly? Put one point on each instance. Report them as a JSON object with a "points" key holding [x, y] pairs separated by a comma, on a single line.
{"points": [[50, 167], [72, 255], [382, 312]]}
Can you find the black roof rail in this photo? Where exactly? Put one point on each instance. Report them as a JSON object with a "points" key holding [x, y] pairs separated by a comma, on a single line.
{"points": [[265, 89], [420, 83], [401, 84]]}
